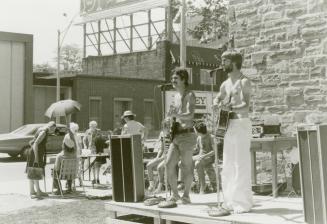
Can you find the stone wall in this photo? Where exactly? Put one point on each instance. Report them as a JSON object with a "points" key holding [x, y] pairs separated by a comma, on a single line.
{"points": [[284, 43]]}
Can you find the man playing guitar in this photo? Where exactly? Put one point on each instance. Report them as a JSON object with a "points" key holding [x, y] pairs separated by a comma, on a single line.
{"points": [[234, 95], [182, 145]]}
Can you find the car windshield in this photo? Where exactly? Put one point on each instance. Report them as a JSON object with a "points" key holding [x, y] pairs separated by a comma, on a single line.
{"points": [[26, 130]]}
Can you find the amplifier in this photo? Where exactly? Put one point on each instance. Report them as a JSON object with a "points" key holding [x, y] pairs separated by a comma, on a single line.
{"points": [[312, 143], [127, 168]]}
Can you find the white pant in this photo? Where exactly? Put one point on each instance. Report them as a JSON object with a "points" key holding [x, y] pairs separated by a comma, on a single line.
{"points": [[236, 173]]}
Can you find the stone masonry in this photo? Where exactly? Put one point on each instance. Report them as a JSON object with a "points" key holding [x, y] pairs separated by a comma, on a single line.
{"points": [[284, 43]]}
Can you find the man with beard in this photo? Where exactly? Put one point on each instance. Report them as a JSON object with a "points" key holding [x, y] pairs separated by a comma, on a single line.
{"points": [[182, 145], [234, 95]]}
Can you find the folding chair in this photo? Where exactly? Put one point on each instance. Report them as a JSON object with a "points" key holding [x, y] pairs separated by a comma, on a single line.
{"points": [[69, 170]]}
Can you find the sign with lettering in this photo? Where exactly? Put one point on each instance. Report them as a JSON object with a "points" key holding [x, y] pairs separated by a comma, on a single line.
{"points": [[203, 101], [118, 7]]}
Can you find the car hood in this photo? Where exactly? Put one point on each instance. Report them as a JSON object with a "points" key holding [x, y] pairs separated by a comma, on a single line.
{"points": [[12, 136]]}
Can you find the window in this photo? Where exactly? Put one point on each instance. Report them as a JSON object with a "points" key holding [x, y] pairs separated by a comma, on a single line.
{"points": [[205, 78], [149, 115], [120, 105], [95, 109]]}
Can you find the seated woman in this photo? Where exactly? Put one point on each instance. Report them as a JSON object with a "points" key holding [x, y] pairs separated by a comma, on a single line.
{"points": [[100, 142], [69, 151]]}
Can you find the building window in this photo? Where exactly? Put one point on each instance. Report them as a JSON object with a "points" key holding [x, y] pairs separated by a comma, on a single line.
{"points": [[95, 109], [149, 115], [120, 105], [205, 78]]}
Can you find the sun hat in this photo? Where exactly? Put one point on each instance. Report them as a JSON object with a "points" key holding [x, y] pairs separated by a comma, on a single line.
{"points": [[128, 113]]}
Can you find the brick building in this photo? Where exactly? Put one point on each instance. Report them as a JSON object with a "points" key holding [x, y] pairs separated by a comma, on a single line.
{"points": [[111, 84], [285, 49]]}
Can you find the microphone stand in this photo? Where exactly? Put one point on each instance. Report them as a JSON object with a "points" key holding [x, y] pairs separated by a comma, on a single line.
{"points": [[165, 204], [216, 211]]}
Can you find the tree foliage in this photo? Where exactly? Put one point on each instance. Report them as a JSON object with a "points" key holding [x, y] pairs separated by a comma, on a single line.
{"points": [[71, 58], [213, 23], [45, 67]]}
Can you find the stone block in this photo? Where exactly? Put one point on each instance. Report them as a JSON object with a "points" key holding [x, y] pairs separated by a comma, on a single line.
{"points": [[274, 15], [277, 109], [274, 30], [310, 51], [294, 96], [281, 36], [311, 90], [303, 83], [286, 45], [293, 13], [274, 46], [321, 60], [286, 54], [314, 33], [315, 100], [246, 13], [318, 72], [244, 42], [259, 57]]}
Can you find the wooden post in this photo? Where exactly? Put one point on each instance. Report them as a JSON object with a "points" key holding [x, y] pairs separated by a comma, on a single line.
{"points": [[274, 171], [115, 36], [131, 33], [149, 30], [169, 23], [183, 36], [254, 167], [99, 37], [84, 40]]}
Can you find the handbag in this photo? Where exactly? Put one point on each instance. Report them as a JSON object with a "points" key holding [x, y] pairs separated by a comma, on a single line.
{"points": [[35, 172]]}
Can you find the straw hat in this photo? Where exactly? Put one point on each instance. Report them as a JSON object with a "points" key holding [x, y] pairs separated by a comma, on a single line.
{"points": [[128, 113]]}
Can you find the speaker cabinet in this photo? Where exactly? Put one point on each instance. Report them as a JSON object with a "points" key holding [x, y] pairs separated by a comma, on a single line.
{"points": [[127, 168], [312, 142]]}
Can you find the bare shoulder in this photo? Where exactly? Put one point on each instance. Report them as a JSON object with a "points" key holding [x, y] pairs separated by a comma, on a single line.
{"points": [[246, 82]]}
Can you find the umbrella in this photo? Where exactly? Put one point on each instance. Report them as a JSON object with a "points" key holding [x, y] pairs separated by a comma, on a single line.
{"points": [[62, 108]]}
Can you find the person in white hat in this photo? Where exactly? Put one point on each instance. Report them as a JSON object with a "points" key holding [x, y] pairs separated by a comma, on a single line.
{"points": [[132, 127], [69, 151]]}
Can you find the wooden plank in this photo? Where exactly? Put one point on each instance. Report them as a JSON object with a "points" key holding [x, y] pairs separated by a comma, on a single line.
{"points": [[271, 211]]}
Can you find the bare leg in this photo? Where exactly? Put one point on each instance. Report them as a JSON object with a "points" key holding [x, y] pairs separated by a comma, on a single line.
{"points": [[201, 176], [172, 160], [187, 165], [32, 190]]}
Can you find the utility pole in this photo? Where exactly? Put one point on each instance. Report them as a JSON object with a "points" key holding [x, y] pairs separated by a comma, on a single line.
{"points": [[58, 69], [183, 35]]}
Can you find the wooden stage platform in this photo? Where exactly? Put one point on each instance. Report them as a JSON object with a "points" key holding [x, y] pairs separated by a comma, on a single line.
{"points": [[267, 210]]}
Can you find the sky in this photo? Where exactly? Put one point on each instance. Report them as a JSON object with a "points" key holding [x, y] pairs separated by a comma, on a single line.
{"points": [[42, 19]]}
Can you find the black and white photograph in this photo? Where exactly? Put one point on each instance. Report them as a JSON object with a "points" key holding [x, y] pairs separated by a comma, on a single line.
{"points": [[163, 111]]}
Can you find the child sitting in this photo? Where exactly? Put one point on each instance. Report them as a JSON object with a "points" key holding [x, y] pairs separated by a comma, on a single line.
{"points": [[157, 163], [205, 158]]}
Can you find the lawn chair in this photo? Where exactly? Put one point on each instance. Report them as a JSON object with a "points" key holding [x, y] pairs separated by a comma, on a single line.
{"points": [[69, 170]]}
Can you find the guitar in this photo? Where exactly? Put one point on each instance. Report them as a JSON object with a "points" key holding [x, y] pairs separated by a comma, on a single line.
{"points": [[170, 126], [222, 122], [174, 125]]}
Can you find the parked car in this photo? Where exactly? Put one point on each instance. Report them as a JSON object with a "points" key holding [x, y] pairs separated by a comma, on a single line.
{"points": [[16, 142]]}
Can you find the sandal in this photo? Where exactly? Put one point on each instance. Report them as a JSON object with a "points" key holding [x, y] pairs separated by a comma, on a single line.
{"points": [[218, 212]]}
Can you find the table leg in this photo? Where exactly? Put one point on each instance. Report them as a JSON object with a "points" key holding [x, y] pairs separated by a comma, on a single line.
{"points": [[254, 167], [274, 173], [89, 162]]}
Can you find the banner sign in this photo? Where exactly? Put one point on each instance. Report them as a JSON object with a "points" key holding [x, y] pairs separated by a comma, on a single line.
{"points": [[118, 7], [203, 101]]}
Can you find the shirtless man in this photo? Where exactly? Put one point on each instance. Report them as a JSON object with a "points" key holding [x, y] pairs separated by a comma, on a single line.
{"points": [[234, 95], [181, 147]]}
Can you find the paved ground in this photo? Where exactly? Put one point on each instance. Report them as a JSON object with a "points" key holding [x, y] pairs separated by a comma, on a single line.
{"points": [[14, 190]]}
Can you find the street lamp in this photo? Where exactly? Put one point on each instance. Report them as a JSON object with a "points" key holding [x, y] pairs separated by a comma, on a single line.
{"points": [[59, 45]]}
